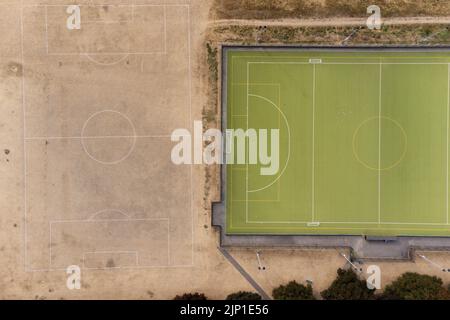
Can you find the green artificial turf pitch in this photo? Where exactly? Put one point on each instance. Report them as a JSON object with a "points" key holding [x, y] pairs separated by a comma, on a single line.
{"points": [[364, 142]]}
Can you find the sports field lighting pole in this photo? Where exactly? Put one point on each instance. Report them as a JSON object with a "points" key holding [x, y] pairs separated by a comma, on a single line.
{"points": [[260, 266], [351, 263], [434, 263]]}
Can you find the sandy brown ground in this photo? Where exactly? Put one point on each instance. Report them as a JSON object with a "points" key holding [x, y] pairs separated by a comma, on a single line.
{"points": [[210, 272]]}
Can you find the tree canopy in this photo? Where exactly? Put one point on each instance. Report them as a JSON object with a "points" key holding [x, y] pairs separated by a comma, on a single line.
{"points": [[293, 291], [243, 295], [347, 286], [414, 286]]}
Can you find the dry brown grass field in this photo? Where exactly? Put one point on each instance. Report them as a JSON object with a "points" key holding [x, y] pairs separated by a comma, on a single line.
{"points": [[274, 9]]}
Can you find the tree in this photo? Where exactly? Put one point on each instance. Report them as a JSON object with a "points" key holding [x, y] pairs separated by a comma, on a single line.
{"points": [[347, 286], [414, 286], [293, 291], [191, 296], [243, 295]]}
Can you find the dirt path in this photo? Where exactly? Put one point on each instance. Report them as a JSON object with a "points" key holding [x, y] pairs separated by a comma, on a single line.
{"points": [[329, 22]]}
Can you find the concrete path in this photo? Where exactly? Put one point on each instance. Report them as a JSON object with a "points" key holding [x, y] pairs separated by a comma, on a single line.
{"points": [[244, 273]]}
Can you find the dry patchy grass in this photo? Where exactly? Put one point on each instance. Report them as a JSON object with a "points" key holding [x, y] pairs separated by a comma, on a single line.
{"points": [[274, 9], [388, 35]]}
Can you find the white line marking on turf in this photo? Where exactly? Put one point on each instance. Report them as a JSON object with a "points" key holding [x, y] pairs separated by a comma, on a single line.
{"points": [[104, 63], [448, 107], [313, 143], [126, 215], [117, 53], [25, 138], [289, 141], [134, 253], [51, 222], [352, 222], [110, 5], [97, 137], [191, 121], [393, 63], [165, 30], [379, 145], [247, 151], [90, 54], [50, 246], [46, 29], [174, 266], [25, 218], [168, 242], [124, 116], [351, 63], [107, 220]]}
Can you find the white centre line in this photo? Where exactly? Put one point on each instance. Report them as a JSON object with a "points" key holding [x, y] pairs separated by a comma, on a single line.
{"points": [[379, 145], [313, 142], [247, 151]]}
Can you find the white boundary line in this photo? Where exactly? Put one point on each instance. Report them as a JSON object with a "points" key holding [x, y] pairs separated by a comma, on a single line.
{"points": [[118, 53], [192, 129], [46, 30], [353, 63], [25, 138], [108, 5], [168, 242], [351, 222], [117, 268], [23, 141], [52, 222], [447, 140], [380, 64], [165, 28], [97, 137]]}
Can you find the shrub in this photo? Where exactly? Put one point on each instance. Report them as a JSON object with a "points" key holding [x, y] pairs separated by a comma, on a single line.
{"points": [[347, 286], [293, 291], [191, 296], [414, 286], [243, 295]]}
